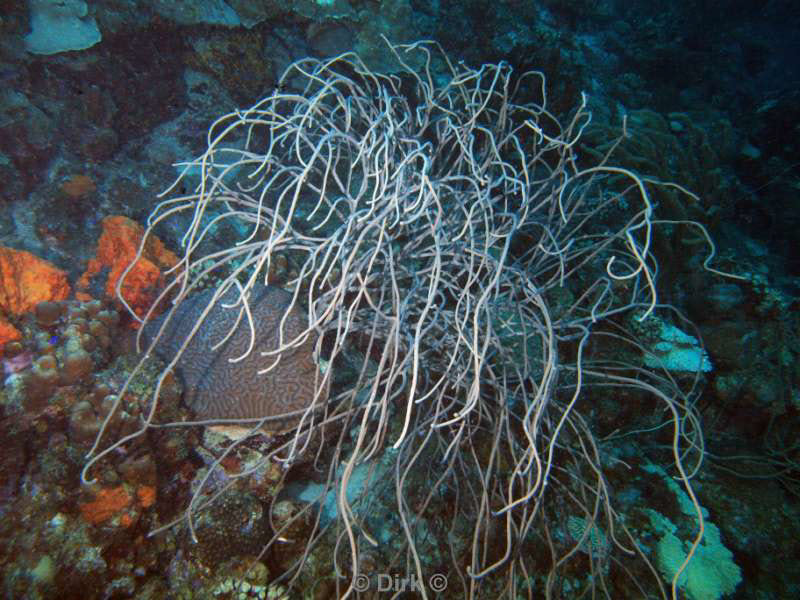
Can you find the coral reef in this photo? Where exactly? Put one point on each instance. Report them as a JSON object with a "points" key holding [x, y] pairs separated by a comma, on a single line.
{"points": [[89, 137]]}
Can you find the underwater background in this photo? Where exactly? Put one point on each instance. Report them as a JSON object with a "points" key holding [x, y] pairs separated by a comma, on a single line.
{"points": [[101, 99]]}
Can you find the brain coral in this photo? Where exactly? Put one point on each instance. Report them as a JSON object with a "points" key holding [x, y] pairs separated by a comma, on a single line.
{"points": [[217, 388]]}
